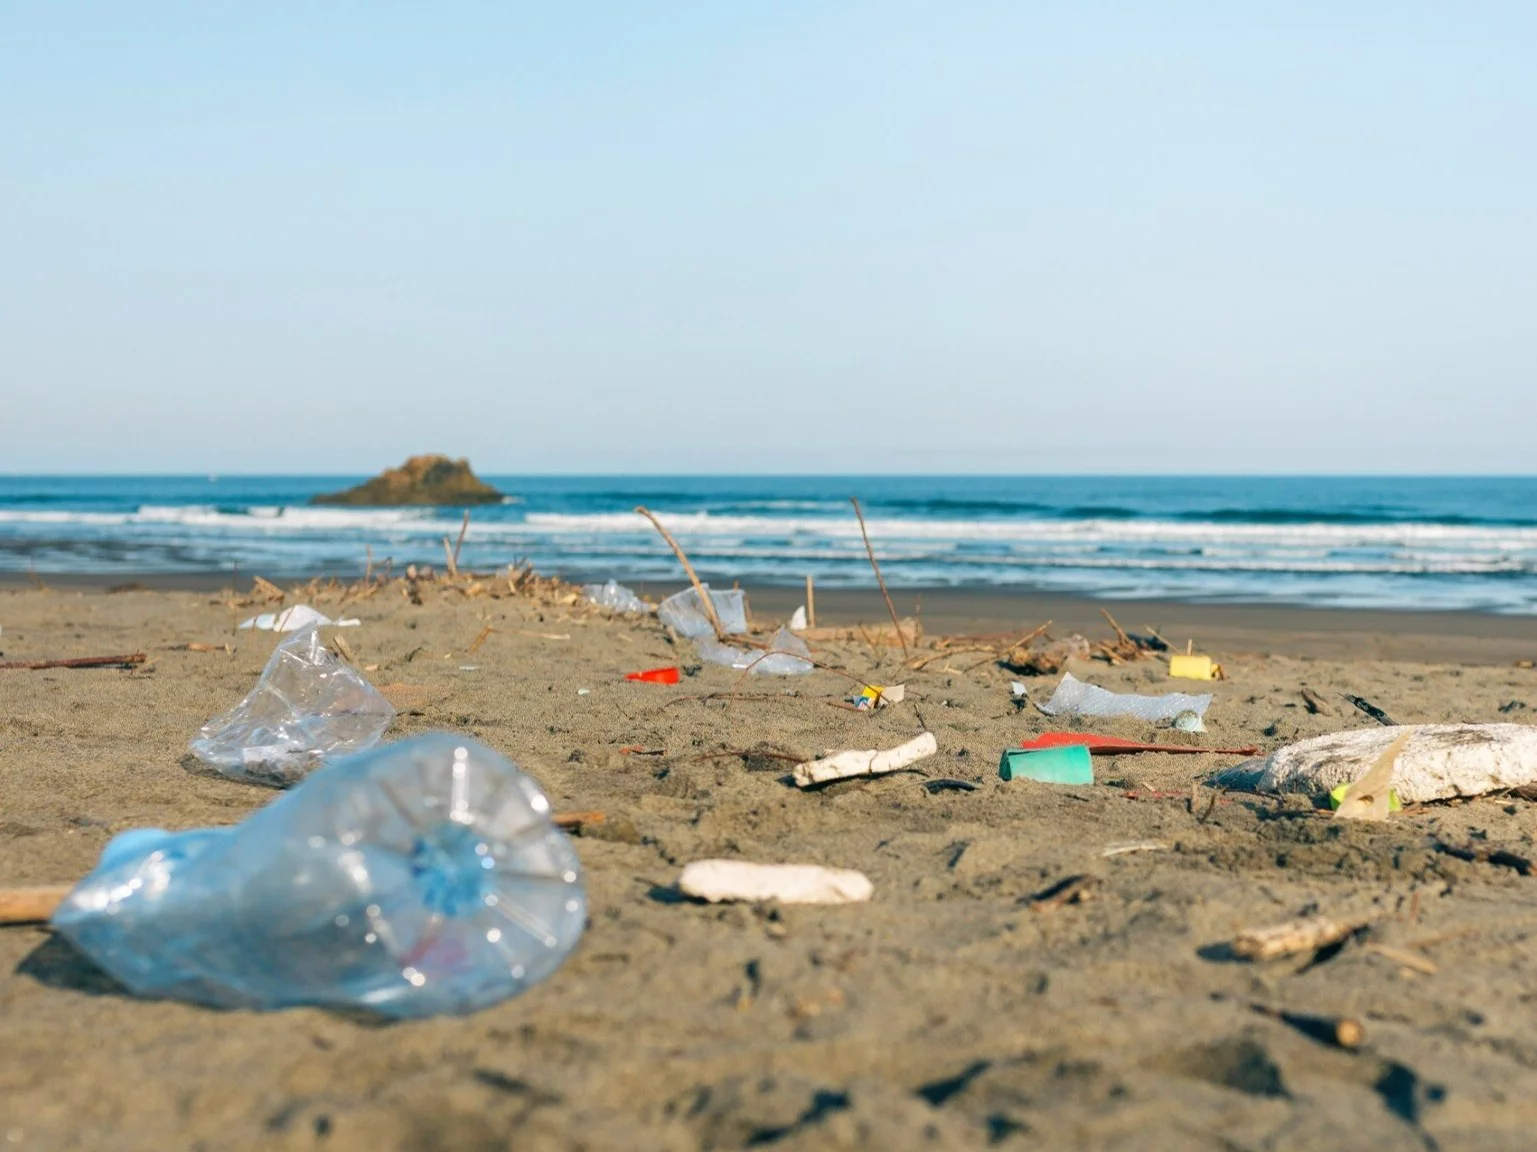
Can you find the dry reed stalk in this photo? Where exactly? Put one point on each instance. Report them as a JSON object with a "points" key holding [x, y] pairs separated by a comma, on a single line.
{"points": [[1120, 633], [267, 588], [705, 602], [127, 661], [879, 579], [459, 543]]}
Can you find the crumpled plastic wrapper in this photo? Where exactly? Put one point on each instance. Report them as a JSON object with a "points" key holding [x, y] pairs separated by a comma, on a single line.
{"points": [[1075, 697], [307, 706]]}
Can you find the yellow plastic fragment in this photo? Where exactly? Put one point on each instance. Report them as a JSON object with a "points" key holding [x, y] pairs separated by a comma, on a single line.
{"points": [[1194, 668]]}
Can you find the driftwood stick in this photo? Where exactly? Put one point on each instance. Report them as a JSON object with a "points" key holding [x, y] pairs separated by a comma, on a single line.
{"points": [[576, 819], [705, 602], [448, 560], [879, 579], [267, 588], [1120, 632], [1029, 636], [459, 543], [127, 661], [30, 905], [1336, 1031], [811, 602], [1278, 940]]}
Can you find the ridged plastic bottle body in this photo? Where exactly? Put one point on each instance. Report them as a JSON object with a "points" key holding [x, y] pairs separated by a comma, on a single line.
{"points": [[419, 878]]}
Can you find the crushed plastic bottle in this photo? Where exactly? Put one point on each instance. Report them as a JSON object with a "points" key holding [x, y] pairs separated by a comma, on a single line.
{"points": [[421, 878], [307, 706], [616, 598], [1074, 696], [684, 614]]}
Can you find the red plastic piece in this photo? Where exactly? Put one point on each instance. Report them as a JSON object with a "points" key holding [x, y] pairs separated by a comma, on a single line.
{"points": [[1115, 746], [667, 675]]}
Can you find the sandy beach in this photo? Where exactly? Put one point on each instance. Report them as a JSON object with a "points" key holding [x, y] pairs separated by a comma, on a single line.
{"points": [[946, 1013]]}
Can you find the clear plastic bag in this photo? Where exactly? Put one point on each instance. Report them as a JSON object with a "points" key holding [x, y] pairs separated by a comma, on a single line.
{"points": [[307, 706], [420, 878], [1074, 696], [684, 614]]}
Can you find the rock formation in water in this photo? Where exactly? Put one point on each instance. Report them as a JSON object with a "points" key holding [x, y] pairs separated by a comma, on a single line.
{"points": [[420, 480]]}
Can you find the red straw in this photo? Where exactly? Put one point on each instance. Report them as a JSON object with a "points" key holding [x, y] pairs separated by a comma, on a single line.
{"points": [[1114, 745]]}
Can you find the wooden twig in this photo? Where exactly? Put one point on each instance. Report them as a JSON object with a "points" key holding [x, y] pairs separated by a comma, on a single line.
{"points": [[479, 640], [30, 905], [1337, 1031], [1297, 936], [576, 819], [127, 661], [267, 588], [811, 602], [705, 602], [920, 663], [879, 579], [1030, 636], [448, 560], [1120, 633], [459, 543], [1316, 704], [1371, 710], [760, 697], [1421, 964], [1072, 890]]}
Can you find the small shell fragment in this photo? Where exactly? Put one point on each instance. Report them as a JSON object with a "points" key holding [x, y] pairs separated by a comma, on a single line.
{"points": [[1189, 721]]}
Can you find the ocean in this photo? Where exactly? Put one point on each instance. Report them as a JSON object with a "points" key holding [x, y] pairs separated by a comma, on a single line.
{"points": [[1429, 543]]}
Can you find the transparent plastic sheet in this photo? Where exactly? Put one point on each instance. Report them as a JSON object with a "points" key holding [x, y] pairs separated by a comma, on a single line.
{"points": [[616, 598], [307, 706], [683, 613], [789, 655], [420, 878], [1074, 696]]}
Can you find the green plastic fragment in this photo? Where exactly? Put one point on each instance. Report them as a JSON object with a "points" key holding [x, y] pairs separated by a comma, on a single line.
{"points": [[1338, 795], [1071, 764]]}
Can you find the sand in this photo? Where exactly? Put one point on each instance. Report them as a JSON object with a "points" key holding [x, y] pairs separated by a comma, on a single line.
{"points": [[945, 1013]]}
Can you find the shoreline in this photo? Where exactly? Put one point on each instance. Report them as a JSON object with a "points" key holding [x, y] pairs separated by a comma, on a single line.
{"points": [[1223, 629]]}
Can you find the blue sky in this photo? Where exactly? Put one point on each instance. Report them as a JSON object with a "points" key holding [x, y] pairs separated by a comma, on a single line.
{"points": [[769, 237]]}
